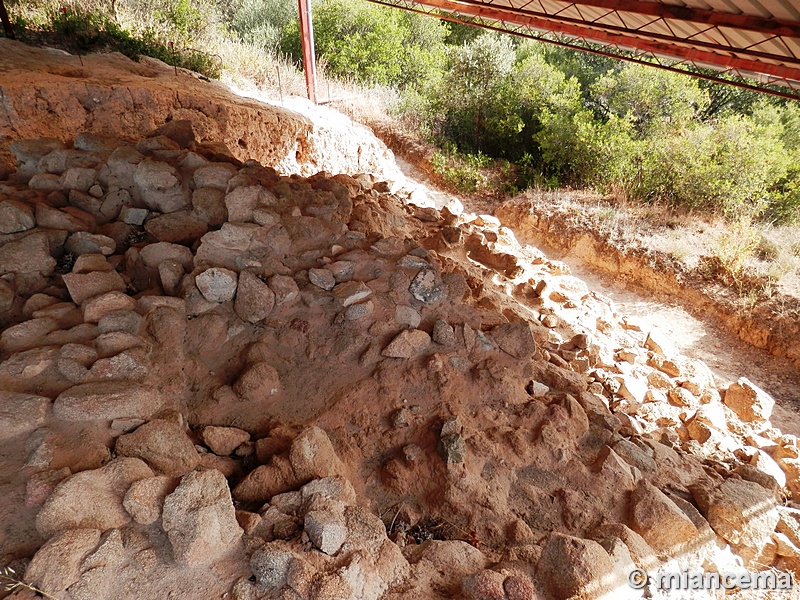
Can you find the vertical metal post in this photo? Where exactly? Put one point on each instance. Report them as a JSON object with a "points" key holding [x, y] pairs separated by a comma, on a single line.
{"points": [[307, 40]]}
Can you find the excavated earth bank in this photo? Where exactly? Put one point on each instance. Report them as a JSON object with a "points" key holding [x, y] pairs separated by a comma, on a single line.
{"points": [[46, 93], [220, 381]]}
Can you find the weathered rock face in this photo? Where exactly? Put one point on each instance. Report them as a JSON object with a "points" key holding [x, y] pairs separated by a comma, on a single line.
{"points": [[199, 518], [92, 499], [147, 94], [338, 396]]}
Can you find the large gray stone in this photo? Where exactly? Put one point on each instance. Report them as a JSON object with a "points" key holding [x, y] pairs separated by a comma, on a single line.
{"points": [[160, 186], [217, 284], [270, 565], [326, 529], [426, 287]]}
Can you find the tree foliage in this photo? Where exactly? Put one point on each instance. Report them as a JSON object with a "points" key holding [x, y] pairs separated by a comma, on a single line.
{"points": [[372, 44]]}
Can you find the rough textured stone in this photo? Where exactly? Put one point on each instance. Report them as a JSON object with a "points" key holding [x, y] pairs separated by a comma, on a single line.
{"points": [[515, 338], [154, 254], [96, 308], [748, 401], [78, 178], [170, 272], [91, 499], [133, 216], [56, 565], [6, 296], [443, 333], [161, 444], [284, 287], [359, 311], [106, 400], [200, 519], [160, 186], [82, 286], [326, 529], [571, 566], [224, 440], [270, 565], [209, 205], [180, 227], [241, 202], [69, 219], [15, 216], [86, 263], [484, 585], [21, 413], [658, 520], [426, 287], [312, 456], [27, 334], [214, 176], [254, 298], [30, 254], [322, 278], [408, 343], [405, 315], [259, 381], [145, 498], [217, 284], [452, 448], [351, 292], [742, 512]]}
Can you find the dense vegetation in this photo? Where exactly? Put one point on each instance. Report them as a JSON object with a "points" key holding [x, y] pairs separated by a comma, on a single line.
{"points": [[543, 116]]}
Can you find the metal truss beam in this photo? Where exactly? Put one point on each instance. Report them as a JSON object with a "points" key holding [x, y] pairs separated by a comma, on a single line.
{"points": [[719, 56], [577, 26], [754, 80], [771, 26]]}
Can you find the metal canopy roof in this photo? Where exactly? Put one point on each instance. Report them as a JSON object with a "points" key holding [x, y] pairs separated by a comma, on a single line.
{"points": [[750, 43]]}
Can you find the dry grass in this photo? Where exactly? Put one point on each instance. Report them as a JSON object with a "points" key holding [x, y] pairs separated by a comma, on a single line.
{"points": [[277, 78], [749, 251]]}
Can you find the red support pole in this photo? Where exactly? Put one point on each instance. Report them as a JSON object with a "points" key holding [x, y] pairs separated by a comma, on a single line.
{"points": [[307, 40]]}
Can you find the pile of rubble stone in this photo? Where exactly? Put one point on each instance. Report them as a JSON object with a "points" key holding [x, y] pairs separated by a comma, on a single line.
{"points": [[221, 382]]}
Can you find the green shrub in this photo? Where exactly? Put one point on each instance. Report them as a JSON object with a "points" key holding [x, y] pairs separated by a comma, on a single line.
{"points": [[459, 170], [86, 31], [651, 99], [262, 22], [371, 44]]}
